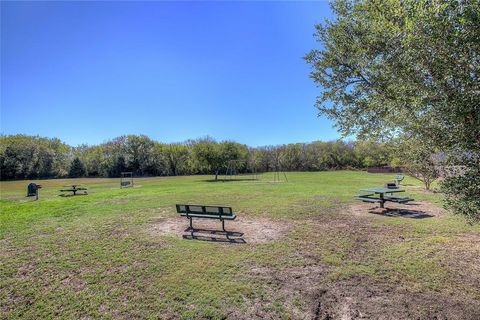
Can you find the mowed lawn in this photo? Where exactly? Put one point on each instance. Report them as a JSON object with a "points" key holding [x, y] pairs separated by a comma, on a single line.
{"points": [[98, 256]]}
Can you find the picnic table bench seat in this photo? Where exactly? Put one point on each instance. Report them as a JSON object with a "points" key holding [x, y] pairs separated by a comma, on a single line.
{"points": [[368, 198], [77, 189], [191, 211], [398, 199]]}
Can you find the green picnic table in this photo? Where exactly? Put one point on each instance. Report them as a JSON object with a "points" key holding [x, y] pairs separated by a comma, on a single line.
{"points": [[74, 188], [385, 195]]}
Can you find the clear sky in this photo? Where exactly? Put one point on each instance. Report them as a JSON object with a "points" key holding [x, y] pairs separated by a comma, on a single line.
{"points": [[86, 72]]}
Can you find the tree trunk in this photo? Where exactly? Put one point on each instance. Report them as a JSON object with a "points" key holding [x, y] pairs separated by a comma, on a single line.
{"points": [[427, 185]]}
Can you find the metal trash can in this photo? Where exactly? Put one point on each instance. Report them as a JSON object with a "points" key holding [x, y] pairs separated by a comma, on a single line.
{"points": [[32, 189], [390, 185]]}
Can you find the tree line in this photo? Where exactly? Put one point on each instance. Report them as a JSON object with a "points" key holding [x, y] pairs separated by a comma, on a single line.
{"points": [[33, 157]]}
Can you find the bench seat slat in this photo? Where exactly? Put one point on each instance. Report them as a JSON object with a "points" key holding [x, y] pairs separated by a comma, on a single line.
{"points": [[209, 216], [397, 197]]}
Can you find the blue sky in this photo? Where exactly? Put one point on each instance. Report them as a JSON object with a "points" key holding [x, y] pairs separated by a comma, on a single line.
{"points": [[86, 72]]}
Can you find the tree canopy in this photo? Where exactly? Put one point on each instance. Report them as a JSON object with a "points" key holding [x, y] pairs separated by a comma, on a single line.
{"points": [[411, 66]]}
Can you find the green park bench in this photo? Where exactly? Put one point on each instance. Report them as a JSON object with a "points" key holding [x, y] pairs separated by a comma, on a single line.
{"points": [[191, 211]]}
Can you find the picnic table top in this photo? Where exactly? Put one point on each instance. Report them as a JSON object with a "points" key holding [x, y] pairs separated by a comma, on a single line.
{"points": [[382, 190]]}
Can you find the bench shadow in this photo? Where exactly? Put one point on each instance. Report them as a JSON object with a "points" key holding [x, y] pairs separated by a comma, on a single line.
{"points": [[208, 235], [220, 232], [213, 239], [73, 195], [402, 213]]}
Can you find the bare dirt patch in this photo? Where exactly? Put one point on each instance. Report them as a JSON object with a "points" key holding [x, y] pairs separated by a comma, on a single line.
{"points": [[462, 258], [305, 293], [242, 230], [363, 298], [295, 288], [310, 291]]}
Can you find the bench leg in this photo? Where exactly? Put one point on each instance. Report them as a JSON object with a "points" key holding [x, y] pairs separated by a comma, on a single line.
{"points": [[191, 226], [223, 225]]}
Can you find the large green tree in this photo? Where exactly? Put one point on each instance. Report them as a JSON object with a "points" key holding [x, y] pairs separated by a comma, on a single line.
{"points": [[23, 157], [214, 156], [388, 67], [77, 169], [391, 65]]}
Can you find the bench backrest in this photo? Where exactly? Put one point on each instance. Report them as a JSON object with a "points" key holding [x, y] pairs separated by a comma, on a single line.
{"points": [[199, 209]]}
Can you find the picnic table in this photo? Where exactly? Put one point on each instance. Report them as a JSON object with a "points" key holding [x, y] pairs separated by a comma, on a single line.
{"points": [[74, 188], [385, 195]]}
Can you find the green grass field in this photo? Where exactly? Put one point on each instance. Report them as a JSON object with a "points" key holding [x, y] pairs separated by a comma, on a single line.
{"points": [[96, 256]]}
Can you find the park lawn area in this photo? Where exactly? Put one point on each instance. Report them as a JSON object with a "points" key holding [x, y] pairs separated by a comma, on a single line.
{"points": [[326, 256]]}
